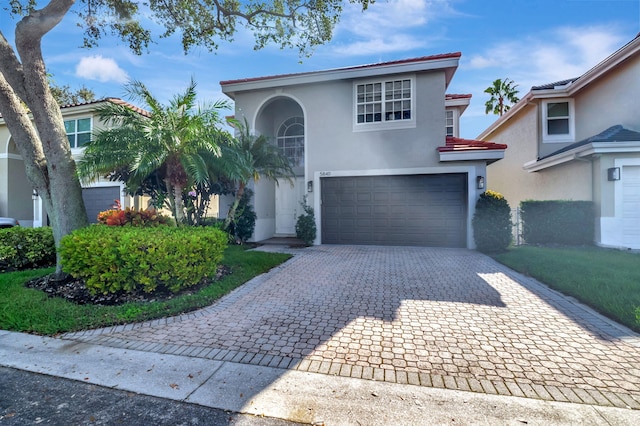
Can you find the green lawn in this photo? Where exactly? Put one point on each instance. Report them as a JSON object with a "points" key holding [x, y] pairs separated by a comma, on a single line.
{"points": [[606, 280], [31, 311]]}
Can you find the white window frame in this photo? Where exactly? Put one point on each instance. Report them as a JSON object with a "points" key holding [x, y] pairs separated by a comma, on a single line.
{"points": [[454, 125], [283, 142], [76, 133], [563, 138], [385, 125]]}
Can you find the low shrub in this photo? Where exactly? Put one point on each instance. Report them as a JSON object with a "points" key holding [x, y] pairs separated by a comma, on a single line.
{"points": [[23, 248], [558, 222], [306, 225], [131, 259], [492, 223]]}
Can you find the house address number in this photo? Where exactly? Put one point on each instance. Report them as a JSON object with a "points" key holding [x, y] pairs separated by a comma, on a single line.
{"points": [[325, 174]]}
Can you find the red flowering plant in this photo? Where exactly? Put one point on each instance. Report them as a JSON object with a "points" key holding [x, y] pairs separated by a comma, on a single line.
{"points": [[131, 217]]}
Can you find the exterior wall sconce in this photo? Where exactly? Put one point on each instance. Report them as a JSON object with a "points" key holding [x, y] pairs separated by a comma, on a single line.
{"points": [[34, 195], [310, 186], [480, 182], [613, 173]]}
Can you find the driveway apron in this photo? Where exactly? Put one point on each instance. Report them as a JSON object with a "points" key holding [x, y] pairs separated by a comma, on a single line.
{"points": [[447, 318]]}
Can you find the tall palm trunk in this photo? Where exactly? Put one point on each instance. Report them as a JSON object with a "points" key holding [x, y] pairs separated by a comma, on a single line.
{"points": [[234, 207], [179, 204]]}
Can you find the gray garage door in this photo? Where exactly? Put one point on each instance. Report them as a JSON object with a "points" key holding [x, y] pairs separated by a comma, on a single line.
{"points": [[419, 210], [100, 199]]}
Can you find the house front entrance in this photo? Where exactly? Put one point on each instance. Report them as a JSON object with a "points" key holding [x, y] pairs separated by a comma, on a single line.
{"points": [[289, 201]]}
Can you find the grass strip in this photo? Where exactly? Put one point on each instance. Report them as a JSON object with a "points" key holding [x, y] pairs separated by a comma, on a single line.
{"points": [[606, 280], [32, 311]]}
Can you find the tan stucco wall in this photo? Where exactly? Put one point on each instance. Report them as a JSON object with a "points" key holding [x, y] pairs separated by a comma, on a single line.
{"points": [[612, 100], [507, 176]]}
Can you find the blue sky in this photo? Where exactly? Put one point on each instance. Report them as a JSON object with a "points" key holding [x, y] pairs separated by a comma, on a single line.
{"points": [[529, 41]]}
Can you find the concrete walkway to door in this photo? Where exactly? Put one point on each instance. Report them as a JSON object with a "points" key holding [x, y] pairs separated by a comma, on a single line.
{"points": [[443, 318]]}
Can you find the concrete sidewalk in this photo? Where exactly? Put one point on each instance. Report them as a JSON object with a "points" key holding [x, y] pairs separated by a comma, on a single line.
{"points": [[287, 394]]}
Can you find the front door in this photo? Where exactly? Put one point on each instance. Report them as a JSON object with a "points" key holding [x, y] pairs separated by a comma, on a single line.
{"points": [[288, 205]]}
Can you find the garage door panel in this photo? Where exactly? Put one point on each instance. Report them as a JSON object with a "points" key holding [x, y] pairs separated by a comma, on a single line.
{"points": [[99, 199], [426, 210]]}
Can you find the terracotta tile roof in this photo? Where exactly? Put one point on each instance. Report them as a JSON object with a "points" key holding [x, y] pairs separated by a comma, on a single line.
{"points": [[129, 105], [451, 96], [380, 64], [459, 144], [99, 101]]}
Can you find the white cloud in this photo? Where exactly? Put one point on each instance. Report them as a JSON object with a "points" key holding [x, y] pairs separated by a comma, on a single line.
{"points": [[563, 53], [392, 26], [101, 69], [395, 43], [546, 57]]}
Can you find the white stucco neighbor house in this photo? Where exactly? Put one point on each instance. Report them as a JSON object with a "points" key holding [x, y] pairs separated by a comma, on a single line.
{"points": [[579, 139], [18, 200], [375, 149]]}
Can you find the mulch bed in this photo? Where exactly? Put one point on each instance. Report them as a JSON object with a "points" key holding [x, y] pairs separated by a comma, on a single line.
{"points": [[76, 291]]}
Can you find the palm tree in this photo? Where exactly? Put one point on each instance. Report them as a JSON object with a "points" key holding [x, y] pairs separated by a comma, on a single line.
{"points": [[175, 143], [503, 95], [251, 157]]}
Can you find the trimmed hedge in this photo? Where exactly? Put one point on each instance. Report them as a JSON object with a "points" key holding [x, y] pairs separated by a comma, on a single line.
{"points": [[112, 259], [558, 222], [23, 248], [492, 223]]}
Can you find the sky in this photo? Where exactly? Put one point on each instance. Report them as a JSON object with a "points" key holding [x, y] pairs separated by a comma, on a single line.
{"points": [[531, 42]]}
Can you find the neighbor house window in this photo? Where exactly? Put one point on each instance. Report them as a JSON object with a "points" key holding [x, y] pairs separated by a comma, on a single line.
{"points": [[384, 103], [449, 122], [290, 140], [558, 120], [78, 131]]}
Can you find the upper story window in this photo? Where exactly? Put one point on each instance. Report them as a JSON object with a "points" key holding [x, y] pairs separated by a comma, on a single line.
{"points": [[449, 122], [290, 140], [388, 103], [558, 120], [78, 131]]}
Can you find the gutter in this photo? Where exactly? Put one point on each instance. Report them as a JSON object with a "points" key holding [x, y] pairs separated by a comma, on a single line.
{"points": [[580, 154]]}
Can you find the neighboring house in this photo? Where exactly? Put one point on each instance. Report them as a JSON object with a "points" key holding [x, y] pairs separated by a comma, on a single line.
{"points": [[579, 139], [375, 149], [17, 199]]}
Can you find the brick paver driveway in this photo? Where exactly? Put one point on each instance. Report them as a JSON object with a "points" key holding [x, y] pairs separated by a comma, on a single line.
{"points": [[449, 318]]}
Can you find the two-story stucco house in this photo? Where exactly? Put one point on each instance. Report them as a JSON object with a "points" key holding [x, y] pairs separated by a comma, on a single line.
{"points": [[375, 149], [579, 139], [17, 199]]}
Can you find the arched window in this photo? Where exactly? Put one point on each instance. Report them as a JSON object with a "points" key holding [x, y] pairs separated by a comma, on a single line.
{"points": [[290, 140]]}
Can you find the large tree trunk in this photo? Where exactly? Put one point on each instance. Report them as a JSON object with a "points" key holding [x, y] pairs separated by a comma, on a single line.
{"points": [[42, 141]]}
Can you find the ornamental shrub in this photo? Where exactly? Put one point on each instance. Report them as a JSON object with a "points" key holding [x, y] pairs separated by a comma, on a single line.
{"points": [[558, 222], [23, 248], [132, 217], [241, 229], [132, 259], [492, 223], [306, 225]]}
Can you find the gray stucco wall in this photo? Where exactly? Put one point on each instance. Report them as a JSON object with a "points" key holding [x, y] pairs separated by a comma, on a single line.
{"points": [[332, 144]]}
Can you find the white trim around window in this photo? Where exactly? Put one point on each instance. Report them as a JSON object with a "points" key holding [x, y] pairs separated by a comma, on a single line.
{"points": [[558, 121], [384, 104], [451, 122], [79, 131]]}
